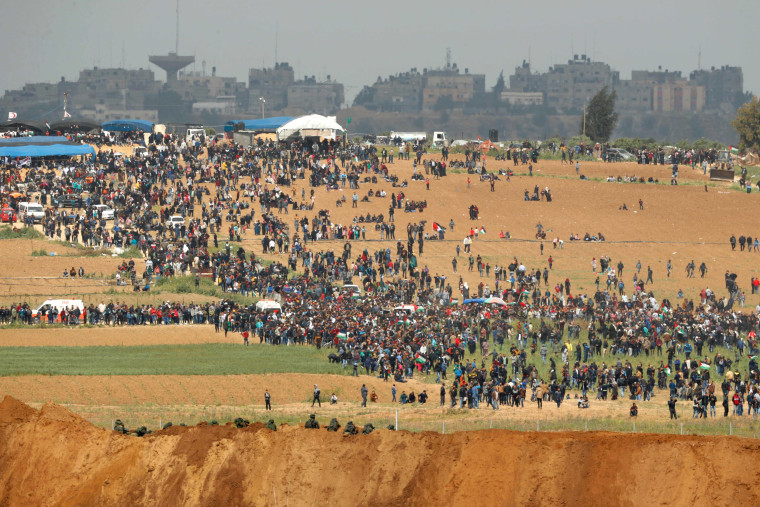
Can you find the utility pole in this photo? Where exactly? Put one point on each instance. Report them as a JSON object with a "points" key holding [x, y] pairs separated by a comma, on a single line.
{"points": [[176, 40], [584, 117], [263, 101], [65, 101]]}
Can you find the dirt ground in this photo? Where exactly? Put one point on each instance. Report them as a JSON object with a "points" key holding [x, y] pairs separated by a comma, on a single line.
{"points": [[114, 336], [221, 465]]}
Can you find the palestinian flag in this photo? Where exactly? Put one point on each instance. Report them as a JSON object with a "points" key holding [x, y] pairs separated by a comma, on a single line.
{"points": [[752, 358], [482, 230], [438, 227], [667, 371], [704, 366]]}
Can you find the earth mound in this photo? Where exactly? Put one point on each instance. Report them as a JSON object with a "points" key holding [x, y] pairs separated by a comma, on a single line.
{"points": [[53, 457]]}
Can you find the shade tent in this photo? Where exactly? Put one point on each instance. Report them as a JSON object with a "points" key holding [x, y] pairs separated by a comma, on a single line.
{"points": [[270, 124], [47, 150], [313, 125], [38, 126], [23, 141], [128, 126], [79, 125]]}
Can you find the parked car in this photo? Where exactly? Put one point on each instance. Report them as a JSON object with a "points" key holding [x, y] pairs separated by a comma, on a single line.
{"points": [[67, 201], [103, 211], [8, 215], [31, 209], [621, 154], [175, 220]]}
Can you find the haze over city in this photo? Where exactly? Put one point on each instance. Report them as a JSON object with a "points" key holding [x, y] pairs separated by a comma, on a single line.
{"points": [[356, 43]]}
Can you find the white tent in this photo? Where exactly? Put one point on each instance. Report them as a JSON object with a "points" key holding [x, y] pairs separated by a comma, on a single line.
{"points": [[313, 125]]}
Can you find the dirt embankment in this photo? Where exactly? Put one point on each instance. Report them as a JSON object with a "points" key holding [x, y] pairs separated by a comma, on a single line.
{"points": [[53, 457]]}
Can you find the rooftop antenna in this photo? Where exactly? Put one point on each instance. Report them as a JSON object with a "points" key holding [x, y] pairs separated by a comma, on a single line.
{"points": [[276, 36], [528, 55], [176, 40], [448, 58], [699, 58]]}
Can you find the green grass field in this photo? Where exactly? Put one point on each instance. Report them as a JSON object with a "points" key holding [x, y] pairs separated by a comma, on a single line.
{"points": [[207, 359]]}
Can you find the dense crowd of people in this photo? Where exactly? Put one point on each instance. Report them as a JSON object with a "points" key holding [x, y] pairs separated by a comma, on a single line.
{"points": [[404, 324]]}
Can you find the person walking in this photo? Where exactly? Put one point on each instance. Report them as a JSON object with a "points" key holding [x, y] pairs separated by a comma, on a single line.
{"points": [[267, 400], [316, 396], [364, 395], [443, 393], [649, 275]]}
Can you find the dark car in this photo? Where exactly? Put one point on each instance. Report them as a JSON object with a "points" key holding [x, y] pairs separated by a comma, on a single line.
{"points": [[68, 201]]}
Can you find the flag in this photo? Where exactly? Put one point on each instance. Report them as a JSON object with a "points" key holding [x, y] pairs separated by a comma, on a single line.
{"points": [[66, 114], [438, 227], [752, 358], [482, 230], [47, 125], [667, 370], [12, 116], [348, 121], [704, 366]]}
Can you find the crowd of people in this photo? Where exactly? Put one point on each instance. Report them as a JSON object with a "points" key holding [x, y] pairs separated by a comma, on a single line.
{"points": [[404, 324]]}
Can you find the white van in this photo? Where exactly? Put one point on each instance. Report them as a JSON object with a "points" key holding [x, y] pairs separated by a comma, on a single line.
{"points": [[175, 220], [195, 134], [58, 305], [103, 211], [32, 209]]}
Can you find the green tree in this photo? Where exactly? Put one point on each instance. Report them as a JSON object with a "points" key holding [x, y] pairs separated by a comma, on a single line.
{"points": [[747, 124], [601, 117], [365, 96]]}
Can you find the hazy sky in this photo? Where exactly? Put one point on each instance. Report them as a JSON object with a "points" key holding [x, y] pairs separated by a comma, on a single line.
{"points": [[355, 42]]}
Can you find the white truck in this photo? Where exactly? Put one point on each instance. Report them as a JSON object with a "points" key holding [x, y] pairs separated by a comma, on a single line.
{"points": [[438, 140], [408, 137]]}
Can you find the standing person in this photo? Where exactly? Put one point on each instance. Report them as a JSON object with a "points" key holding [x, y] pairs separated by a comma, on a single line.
{"points": [[443, 393], [267, 400], [672, 407], [649, 275], [577, 167], [364, 395], [669, 266], [542, 248], [316, 396], [393, 393], [539, 397]]}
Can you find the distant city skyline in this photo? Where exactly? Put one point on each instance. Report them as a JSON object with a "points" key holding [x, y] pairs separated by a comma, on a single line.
{"points": [[355, 44]]}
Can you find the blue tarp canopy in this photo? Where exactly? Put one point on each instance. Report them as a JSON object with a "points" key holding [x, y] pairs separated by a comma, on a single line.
{"points": [[261, 124], [47, 150], [128, 125], [21, 141]]}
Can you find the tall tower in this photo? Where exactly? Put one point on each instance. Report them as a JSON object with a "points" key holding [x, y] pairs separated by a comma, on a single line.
{"points": [[172, 62]]}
